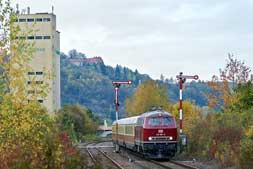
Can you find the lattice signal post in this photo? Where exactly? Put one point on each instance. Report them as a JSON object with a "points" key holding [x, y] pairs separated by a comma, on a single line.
{"points": [[182, 78], [116, 85]]}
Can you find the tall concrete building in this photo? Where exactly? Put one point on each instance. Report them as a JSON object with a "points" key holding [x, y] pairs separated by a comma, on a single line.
{"points": [[46, 59]]}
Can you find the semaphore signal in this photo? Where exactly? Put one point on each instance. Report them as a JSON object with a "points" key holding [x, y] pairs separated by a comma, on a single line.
{"points": [[116, 85], [182, 78]]}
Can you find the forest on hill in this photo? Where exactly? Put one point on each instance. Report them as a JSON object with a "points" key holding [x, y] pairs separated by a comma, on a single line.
{"points": [[90, 85]]}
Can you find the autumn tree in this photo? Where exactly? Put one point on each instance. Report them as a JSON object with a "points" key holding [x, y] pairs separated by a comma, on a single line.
{"points": [[28, 136], [229, 140], [147, 94], [221, 95], [235, 72], [191, 113]]}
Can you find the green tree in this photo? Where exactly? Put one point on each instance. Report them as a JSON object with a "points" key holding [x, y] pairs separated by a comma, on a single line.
{"points": [[244, 97], [77, 121], [246, 154]]}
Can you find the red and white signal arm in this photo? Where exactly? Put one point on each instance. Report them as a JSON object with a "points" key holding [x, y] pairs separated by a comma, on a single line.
{"points": [[129, 82], [196, 77]]}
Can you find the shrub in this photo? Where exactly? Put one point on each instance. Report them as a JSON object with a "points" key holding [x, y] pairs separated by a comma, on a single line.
{"points": [[246, 154]]}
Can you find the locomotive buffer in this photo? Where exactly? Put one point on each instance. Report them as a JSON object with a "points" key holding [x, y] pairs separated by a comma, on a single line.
{"points": [[116, 85]]}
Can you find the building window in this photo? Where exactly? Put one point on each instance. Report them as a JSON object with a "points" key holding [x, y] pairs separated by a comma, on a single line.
{"points": [[46, 19], [30, 20], [22, 20], [39, 82], [22, 37], [38, 37], [40, 49], [31, 73], [30, 91], [39, 73], [30, 37], [38, 19], [40, 101], [47, 37]]}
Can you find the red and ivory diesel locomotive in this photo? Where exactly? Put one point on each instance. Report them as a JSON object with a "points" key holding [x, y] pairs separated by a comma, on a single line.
{"points": [[153, 134]]}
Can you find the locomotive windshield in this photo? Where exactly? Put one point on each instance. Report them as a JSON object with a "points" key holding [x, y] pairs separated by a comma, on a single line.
{"points": [[154, 121], [160, 121], [166, 121]]}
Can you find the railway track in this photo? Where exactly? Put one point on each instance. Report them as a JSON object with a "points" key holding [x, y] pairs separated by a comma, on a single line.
{"points": [[135, 157], [95, 153], [103, 155]]}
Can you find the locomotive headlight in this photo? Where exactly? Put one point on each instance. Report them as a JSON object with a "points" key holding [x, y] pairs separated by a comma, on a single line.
{"points": [[171, 138], [149, 138]]}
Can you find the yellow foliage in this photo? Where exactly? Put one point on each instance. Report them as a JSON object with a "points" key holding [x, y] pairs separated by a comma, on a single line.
{"points": [[15, 56], [249, 132], [147, 95], [191, 113], [222, 96], [24, 126], [23, 133]]}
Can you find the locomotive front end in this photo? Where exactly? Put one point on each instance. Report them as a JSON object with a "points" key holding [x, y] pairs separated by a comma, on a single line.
{"points": [[159, 135]]}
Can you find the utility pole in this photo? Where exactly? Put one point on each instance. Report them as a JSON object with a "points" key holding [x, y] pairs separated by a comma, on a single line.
{"points": [[116, 85]]}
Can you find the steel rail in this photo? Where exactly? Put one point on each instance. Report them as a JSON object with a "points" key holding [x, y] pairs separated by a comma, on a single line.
{"points": [[161, 164], [183, 165], [90, 154], [105, 155], [111, 159], [172, 162]]}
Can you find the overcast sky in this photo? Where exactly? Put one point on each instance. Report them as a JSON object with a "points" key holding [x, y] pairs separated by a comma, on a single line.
{"points": [[156, 36]]}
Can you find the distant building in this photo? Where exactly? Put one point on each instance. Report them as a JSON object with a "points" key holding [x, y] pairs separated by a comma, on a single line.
{"points": [[46, 58], [104, 128], [104, 131], [84, 61]]}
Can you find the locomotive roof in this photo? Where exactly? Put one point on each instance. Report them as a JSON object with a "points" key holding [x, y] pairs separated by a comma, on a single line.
{"points": [[155, 112], [129, 120], [133, 120]]}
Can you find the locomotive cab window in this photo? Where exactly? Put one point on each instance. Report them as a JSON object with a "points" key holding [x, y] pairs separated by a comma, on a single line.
{"points": [[154, 121], [160, 121], [140, 122], [166, 121]]}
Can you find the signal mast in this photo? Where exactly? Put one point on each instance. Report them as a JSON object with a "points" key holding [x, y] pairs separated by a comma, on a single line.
{"points": [[116, 85], [182, 78]]}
